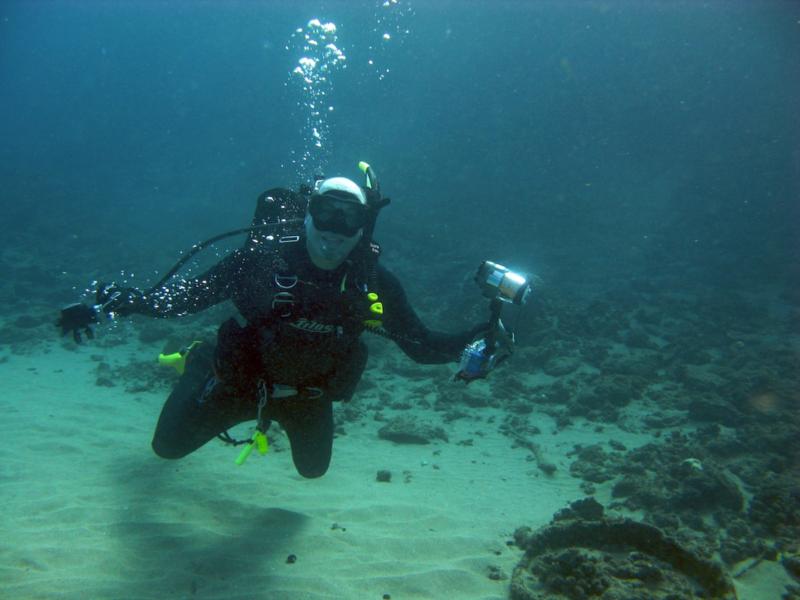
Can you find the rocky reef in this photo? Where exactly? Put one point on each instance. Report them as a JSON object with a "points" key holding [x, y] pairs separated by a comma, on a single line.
{"points": [[583, 554]]}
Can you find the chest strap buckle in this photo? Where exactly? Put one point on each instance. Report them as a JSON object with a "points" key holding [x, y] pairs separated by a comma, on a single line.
{"points": [[283, 303]]}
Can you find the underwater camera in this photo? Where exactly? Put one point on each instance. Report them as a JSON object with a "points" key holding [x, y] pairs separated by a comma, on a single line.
{"points": [[500, 285]]}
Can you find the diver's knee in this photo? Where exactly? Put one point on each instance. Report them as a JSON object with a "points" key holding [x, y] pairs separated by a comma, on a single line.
{"points": [[164, 450], [313, 471]]}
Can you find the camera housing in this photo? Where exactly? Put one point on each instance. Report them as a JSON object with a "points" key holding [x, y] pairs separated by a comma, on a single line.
{"points": [[497, 281]]}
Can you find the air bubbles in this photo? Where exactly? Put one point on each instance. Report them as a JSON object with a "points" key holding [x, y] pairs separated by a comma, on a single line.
{"points": [[315, 25], [320, 57], [334, 54], [391, 28]]}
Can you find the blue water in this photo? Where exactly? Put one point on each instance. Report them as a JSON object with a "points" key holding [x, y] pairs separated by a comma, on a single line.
{"points": [[568, 137]]}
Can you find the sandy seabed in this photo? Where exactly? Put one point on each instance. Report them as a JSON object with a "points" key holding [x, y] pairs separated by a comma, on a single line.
{"points": [[90, 512]]}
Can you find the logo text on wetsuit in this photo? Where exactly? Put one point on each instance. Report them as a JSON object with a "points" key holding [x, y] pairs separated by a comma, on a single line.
{"points": [[312, 326]]}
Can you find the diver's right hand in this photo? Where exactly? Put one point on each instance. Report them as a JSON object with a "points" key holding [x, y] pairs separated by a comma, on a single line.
{"points": [[77, 318]]}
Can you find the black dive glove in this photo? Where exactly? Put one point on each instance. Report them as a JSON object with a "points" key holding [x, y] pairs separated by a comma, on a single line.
{"points": [[491, 345], [78, 318]]}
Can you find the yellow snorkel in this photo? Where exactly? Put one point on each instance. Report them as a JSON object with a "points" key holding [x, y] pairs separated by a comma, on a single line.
{"points": [[372, 181]]}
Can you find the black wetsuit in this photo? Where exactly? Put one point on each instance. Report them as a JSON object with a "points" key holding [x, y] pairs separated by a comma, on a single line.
{"points": [[302, 330]]}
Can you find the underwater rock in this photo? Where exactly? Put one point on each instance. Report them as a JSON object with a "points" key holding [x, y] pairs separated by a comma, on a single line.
{"points": [[665, 477], [776, 438], [792, 565], [601, 398], [617, 445], [594, 354], [735, 550], [792, 592], [642, 364], [590, 400], [517, 427], [559, 366], [593, 464], [705, 488], [683, 488], [545, 467], [719, 443], [587, 509], [495, 573], [715, 411], [775, 510], [406, 429], [520, 407], [617, 558], [639, 339], [151, 332], [660, 420], [617, 391]]}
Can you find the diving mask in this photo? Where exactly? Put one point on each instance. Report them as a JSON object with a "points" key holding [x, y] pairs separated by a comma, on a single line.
{"points": [[337, 215]]}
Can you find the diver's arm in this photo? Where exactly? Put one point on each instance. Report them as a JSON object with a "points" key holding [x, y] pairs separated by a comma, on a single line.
{"points": [[420, 343], [180, 296]]}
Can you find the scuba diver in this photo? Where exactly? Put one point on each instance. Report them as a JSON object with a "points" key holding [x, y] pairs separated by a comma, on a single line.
{"points": [[307, 283]]}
